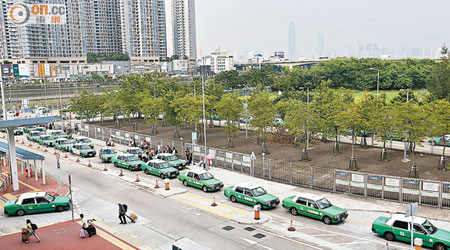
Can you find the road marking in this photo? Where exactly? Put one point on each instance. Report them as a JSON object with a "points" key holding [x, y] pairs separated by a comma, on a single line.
{"points": [[238, 210], [203, 207], [347, 243], [359, 222], [111, 239], [289, 239], [9, 196], [253, 243]]}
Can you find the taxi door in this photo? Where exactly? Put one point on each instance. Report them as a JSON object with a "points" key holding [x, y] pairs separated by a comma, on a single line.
{"points": [[248, 197], [421, 233], [43, 205], [401, 230], [196, 181], [29, 206], [301, 205], [312, 210]]}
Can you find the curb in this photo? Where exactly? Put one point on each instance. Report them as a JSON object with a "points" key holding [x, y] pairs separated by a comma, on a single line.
{"points": [[244, 219]]}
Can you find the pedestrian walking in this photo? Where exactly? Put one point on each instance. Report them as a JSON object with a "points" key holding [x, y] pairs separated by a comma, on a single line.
{"points": [[122, 210], [31, 230], [174, 150], [159, 148]]}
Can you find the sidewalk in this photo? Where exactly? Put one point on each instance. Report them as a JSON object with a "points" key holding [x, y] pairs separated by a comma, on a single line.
{"points": [[65, 236], [27, 184]]}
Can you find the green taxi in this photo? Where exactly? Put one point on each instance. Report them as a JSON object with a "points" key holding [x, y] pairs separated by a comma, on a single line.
{"points": [[33, 136], [160, 168], [28, 128], [251, 195], [106, 154], [202, 179], [315, 206], [440, 141], [127, 161], [40, 202], [64, 144], [137, 152], [397, 227], [58, 134], [46, 140], [172, 160], [84, 140]]}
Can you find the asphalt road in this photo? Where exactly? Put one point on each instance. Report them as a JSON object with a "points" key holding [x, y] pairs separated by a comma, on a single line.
{"points": [[189, 216]]}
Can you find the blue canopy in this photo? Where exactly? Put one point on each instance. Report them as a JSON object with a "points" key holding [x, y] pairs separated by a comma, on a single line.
{"points": [[21, 153]]}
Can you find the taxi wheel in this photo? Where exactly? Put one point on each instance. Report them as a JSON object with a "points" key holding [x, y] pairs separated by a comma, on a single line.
{"points": [[439, 246], [389, 236], [59, 209], [20, 212], [185, 183], [162, 176], [326, 220], [233, 198], [116, 165], [293, 210], [146, 171], [205, 189]]}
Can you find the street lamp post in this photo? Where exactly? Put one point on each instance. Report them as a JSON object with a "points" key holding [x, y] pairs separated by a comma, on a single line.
{"points": [[204, 117], [378, 79], [246, 113], [305, 155], [59, 173], [405, 154]]}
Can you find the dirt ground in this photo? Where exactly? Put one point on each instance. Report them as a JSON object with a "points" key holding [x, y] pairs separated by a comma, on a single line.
{"points": [[321, 154]]}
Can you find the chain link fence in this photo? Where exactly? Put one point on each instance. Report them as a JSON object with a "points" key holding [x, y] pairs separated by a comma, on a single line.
{"points": [[393, 188]]}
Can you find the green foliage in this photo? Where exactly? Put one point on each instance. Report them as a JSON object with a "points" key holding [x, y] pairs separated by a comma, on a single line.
{"points": [[263, 111], [438, 114], [99, 57], [229, 109], [298, 119], [439, 80], [151, 107], [86, 103], [188, 109]]}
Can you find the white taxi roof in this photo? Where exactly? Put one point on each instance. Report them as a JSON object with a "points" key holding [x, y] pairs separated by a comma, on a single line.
{"points": [[402, 217], [198, 171], [157, 161], [165, 154], [247, 185], [54, 130], [30, 195], [62, 139], [103, 148], [133, 148], [125, 154], [81, 137], [309, 196]]}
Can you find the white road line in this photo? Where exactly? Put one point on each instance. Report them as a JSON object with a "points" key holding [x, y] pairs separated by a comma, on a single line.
{"points": [[346, 243], [254, 243], [287, 238]]}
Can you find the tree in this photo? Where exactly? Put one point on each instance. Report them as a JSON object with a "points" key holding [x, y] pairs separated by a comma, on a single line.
{"points": [[189, 109], [112, 104], [328, 103], [351, 118], [85, 104], [381, 120], [151, 108], [439, 80], [229, 109], [228, 79], [263, 111], [213, 94], [368, 106], [438, 114], [410, 118]]}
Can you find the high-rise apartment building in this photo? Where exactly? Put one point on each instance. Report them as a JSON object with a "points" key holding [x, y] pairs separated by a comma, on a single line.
{"points": [[182, 28], [143, 28], [137, 27]]}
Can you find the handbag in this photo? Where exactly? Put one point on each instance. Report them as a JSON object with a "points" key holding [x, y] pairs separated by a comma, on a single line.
{"points": [[82, 233]]}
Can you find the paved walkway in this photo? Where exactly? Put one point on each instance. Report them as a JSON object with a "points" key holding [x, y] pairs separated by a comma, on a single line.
{"points": [[29, 184], [65, 236]]}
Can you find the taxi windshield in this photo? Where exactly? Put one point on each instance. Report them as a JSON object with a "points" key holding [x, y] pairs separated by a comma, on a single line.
{"points": [[46, 138], [84, 140], [62, 142], [49, 197], [130, 158], [109, 151], [324, 203], [206, 176], [429, 227], [84, 147], [40, 129], [258, 191], [172, 158], [58, 133], [35, 133], [135, 151], [162, 165]]}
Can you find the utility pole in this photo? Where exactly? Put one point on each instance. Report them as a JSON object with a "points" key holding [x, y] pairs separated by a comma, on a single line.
{"points": [[204, 117], [246, 113]]}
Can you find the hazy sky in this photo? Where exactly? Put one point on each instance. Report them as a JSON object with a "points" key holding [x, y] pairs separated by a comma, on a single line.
{"points": [[250, 25]]}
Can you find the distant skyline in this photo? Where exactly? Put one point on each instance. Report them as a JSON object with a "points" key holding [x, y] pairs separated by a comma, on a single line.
{"points": [[400, 27]]}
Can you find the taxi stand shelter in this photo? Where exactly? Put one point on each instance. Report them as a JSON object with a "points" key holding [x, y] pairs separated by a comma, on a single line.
{"points": [[22, 154]]}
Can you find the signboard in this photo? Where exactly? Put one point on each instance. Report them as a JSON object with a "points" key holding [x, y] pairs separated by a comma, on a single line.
{"points": [[392, 182], [410, 191], [358, 177], [24, 70], [194, 137], [228, 157], [342, 182], [41, 70], [411, 209], [279, 54], [15, 70], [374, 186], [6, 70], [47, 69], [429, 186], [446, 196], [53, 71]]}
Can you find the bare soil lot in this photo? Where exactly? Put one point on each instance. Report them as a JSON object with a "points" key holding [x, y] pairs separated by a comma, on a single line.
{"points": [[321, 153]]}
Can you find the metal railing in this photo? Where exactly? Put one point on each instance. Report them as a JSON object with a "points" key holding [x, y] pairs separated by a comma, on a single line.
{"points": [[393, 188]]}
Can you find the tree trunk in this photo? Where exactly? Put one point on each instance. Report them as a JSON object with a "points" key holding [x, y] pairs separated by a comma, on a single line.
{"points": [[384, 155], [230, 142], [337, 146], [364, 140], [176, 133], [264, 144]]}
